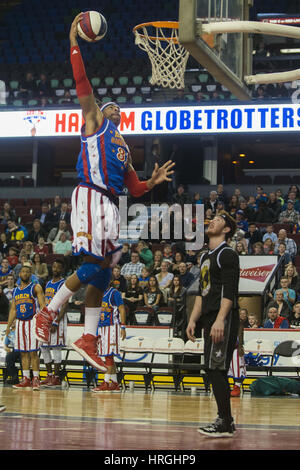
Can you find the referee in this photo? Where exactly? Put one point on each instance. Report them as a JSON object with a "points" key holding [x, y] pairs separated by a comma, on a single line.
{"points": [[216, 308]]}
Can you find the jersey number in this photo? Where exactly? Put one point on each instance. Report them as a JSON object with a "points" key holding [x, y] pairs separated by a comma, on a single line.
{"points": [[121, 155]]}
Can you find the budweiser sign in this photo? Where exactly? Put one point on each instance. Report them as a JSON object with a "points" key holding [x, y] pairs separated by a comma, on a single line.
{"points": [[258, 273]]}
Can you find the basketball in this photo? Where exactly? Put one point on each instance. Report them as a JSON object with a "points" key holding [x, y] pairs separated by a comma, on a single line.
{"points": [[92, 27]]}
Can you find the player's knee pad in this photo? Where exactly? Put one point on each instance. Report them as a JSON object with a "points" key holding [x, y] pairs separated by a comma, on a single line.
{"points": [[87, 271], [101, 279]]}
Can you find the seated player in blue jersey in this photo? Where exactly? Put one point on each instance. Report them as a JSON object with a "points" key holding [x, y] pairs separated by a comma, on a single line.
{"points": [[111, 330], [26, 299], [58, 336], [104, 167]]}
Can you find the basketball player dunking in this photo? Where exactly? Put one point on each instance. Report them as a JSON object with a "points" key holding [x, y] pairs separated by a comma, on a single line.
{"points": [[104, 166], [216, 308]]}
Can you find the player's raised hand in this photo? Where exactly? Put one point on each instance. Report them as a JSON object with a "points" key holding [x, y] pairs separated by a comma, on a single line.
{"points": [[163, 173], [73, 30]]}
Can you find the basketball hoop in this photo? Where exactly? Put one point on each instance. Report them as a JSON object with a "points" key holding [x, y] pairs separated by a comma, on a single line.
{"points": [[167, 56]]}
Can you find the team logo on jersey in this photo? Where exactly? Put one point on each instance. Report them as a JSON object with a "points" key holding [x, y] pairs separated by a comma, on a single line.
{"points": [[205, 278]]}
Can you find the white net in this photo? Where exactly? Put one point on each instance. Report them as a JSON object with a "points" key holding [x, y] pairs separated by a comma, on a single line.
{"points": [[167, 56]]}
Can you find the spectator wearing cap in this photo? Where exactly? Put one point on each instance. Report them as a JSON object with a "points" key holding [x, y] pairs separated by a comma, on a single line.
{"points": [[241, 223], [290, 215], [212, 202]]}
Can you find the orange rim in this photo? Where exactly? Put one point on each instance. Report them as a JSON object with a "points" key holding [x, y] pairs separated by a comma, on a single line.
{"points": [[157, 24]]}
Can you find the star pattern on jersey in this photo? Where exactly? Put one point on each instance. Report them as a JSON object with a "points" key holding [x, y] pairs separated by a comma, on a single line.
{"points": [[218, 353]]}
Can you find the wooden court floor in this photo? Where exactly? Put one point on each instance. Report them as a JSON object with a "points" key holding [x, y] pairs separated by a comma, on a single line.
{"points": [[77, 419]]}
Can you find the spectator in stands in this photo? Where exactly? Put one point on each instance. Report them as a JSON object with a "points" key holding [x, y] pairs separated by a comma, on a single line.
{"points": [[208, 216], [253, 236], [220, 207], [195, 269], [44, 216], [181, 197], [283, 308], [292, 196], [23, 258], [289, 295], [41, 247], [28, 88], [12, 257], [252, 203], [282, 252], [260, 195], [258, 248], [290, 244], [152, 294], [186, 277], [240, 249], [260, 93], [7, 213], [177, 300], [164, 278], [197, 199], [252, 321], [238, 194], [222, 195], [5, 270], [289, 216], [63, 213], [134, 267], [67, 98], [241, 223], [212, 202], [293, 188], [274, 320], [295, 317], [63, 246], [239, 236], [264, 214], [281, 91], [55, 233], [291, 274], [158, 257], [36, 232], [54, 211], [270, 234], [4, 244], [243, 314], [125, 256], [4, 305], [133, 297], [146, 255], [8, 290], [178, 258], [268, 247], [248, 212], [118, 281], [274, 205], [279, 196], [40, 269], [15, 233], [167, 253], [233, 205], [28, 249], [144, 278], [44, 88]]}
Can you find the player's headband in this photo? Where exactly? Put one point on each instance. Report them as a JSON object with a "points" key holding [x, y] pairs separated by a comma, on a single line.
{"points": [[110, 103], [229, 221]]}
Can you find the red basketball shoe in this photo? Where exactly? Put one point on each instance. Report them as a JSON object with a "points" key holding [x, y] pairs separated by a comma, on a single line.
{"points": [[104, 387], [235, 392], [47, 381], [25, 383], [86, 346], [35, 383], [43, 321], [114, 387]]}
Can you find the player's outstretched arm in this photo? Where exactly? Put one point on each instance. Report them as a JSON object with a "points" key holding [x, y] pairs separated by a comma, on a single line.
{"points": [[91, 113]]}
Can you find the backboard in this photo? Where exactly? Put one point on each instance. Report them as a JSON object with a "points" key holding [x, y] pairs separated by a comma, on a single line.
{"points": [[227, 57]]}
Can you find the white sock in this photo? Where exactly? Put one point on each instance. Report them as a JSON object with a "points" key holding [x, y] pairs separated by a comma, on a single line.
{"points": [[92, 315], [35, 373], [113, 378], [107, 378], [61, 296], [26, 373]]}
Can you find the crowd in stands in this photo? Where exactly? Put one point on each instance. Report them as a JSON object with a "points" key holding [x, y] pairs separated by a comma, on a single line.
{"points": [[160, 273]]}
